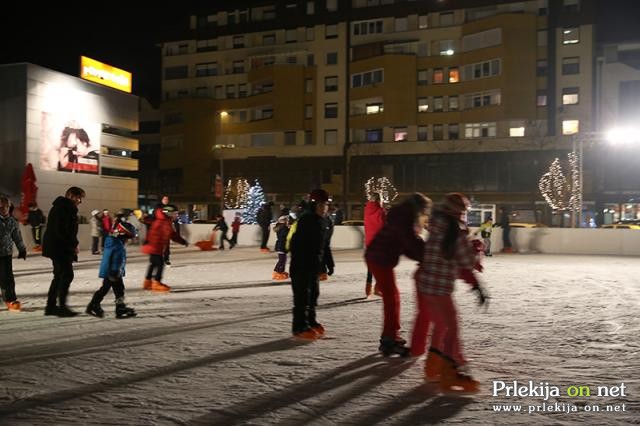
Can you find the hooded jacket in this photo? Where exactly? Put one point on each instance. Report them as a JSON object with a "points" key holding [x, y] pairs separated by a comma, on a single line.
{"points": [[114, 258], [61, 235], [160, 233], [10, 234]]}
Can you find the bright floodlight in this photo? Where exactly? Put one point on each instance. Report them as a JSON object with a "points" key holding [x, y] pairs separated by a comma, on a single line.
{"points": [[623, 135], [223, 114]]}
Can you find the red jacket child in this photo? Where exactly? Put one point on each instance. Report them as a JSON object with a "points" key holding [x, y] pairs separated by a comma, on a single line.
{"points": [[160, 233]]}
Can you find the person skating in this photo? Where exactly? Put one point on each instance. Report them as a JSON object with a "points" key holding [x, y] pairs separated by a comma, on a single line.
{"points": [[306, 245], [60, 244], [36, 219], [263, 217], [112, 268], [221, 225], [448, 251], [9, 235], [281, 230], [161, 232], [235, 230], [374, 218], [485, 233], [505, 224], [399, 235]]}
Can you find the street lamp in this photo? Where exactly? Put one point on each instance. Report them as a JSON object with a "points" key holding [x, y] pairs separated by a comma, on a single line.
{"points": [[217, 146]]}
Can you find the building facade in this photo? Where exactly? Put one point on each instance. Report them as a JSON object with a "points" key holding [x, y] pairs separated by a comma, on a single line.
{"points": [[73, 132], [473, 96]]}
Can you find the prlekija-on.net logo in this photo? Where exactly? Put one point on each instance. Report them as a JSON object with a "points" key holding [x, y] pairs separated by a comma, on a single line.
{"points": [[545, 397]]}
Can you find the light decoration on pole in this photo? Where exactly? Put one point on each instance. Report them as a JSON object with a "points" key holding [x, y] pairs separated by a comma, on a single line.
{"points": [[255, 198], [236, 193], [557, 191], [382, 186]]}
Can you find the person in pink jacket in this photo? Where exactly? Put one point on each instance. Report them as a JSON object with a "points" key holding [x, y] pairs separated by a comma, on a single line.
{"points": [[374, 218]]}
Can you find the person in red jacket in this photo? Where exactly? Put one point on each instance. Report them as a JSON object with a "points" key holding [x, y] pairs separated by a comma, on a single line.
{"points": [[374, 217], [107, 224], [399, 235], [235, 230], [158, 239]]}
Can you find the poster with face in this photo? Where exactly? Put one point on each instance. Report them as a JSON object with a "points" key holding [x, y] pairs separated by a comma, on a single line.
{"points": [[70, 135]]}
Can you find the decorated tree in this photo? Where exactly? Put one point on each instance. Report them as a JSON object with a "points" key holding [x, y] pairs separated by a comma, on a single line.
{"points": [[236, 193], [382, 186], [558, 191], [255, 198]]}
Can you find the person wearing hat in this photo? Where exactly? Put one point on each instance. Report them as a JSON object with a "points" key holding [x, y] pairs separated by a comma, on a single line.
{"points": [[281, 230], [306, 246], [447, 252], [398, 236], [96, 230], [36, 219], [160, 234]]}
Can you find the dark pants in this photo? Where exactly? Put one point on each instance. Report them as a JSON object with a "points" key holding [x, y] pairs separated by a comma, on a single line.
{"points": [[94, 244], [386, 281], [62, 278], [7, 282], [104, 237], [265, 236], [223, 238], [156, 263], [305, 299], [118, 290], [234, 238], [282, 262], [167, 254], [36, 232], [506, 240]]}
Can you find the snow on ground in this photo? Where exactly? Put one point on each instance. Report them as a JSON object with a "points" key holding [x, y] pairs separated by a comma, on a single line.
{"points": [[217, 350]]}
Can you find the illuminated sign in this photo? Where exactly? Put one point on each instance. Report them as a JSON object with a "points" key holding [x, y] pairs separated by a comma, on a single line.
{"points": [[104, 74]]}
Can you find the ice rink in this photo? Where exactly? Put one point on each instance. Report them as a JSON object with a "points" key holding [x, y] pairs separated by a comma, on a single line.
{"points": [[217, 350]]}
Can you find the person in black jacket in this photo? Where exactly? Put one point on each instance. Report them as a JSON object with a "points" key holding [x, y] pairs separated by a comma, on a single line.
{"points": [[263, 217], [60, 244], [307, 245], [36, 219], [221, 225]]}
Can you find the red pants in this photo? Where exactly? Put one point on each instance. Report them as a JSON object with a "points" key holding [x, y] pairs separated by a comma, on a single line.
{"points": [[444, 316], [420, 326], [386, 282]]}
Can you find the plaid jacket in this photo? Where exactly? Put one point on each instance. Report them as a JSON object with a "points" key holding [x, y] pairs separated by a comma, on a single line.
{"points": [[10, 234], [436, 274]]}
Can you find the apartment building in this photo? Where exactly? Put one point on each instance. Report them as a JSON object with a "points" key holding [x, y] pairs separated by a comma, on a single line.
{"points": [[438, 95]]}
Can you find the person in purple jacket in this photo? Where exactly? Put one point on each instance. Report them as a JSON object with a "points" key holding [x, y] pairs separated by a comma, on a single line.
{"points": [[399, 235]]}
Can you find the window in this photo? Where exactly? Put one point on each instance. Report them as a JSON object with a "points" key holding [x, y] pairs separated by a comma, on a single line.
{"points": [[373, 135], [331, 84], [238, 67], [570, 65], [291, 36], [202, 92], [453, 103], [311, 8], [332, 58], [423, 134], [308, 111], [238, 42], [331, 137], [332, 5], [423, 104], [446, 19], [479, 130], [331, 110], [238, 116], [446, 47], [542, 38], [374, 108], [172, 118], [262, 113], [262, 139], [570, 95], [541, 67], [401, 24], [423, 22], [454, 75], [366, 27], [541, 98], [482, 69], [438, 133], [310, 60], [289, 138], [571, 35], [205, 69], [516, 132], [308, 137], [570, 127], [423, 77], [331, 31], [242, 90], [269, 39], [367, 78], [438, 103], [207, 45], [308, 85], [482, 39], [482, 99], [438, 76], [231, 90], [543, 7], [400, 134], [292, 60], [172, 73], [311, 33], [454, 131]]}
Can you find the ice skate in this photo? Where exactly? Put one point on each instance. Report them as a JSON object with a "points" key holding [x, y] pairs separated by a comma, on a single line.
{"points": [[14, 306], [318, 329], [264, 250], [146, 284], [95, 309], [278, 276], [433, 365], [158, 287], [453, 380], [390, 347], [307, 334], [123, 311], [37, 249], [64, 311]]}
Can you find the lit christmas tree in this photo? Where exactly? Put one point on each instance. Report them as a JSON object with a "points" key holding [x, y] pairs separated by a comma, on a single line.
{"points": [[255, 198], [559, 193], [236, 193], [382, 186]]}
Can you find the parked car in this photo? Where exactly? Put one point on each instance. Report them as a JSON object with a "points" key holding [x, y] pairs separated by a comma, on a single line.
{"points": [[527, 225], [353, 222], [621, 225]]}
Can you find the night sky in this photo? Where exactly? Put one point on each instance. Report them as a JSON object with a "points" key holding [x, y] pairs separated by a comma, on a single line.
{"points": [[126, 35]]}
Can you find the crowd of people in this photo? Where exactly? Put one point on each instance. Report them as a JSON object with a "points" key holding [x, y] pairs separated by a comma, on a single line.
{"points": [[304, 233]]}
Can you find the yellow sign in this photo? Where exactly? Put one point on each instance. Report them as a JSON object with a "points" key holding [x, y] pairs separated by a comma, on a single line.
{"points": [[100, 73]]}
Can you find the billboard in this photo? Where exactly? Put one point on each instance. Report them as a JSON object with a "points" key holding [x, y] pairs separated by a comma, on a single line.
{"points": [[104, 74]]}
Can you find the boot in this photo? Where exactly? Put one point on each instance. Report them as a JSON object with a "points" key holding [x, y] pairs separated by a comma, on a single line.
{"points": [[433, 365], [318, 329], [278, 276], [146, 284], [455, 381], [158, 287], [368, 289], [64, 311], [95, 309], [14, 306], [308, 334], [123, 311], [389, 346]]}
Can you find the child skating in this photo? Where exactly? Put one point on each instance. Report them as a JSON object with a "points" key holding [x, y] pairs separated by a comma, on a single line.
{"points": [[9, 235], [281, 230]]}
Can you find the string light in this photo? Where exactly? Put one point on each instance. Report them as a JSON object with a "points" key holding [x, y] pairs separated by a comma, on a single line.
{"points": [[236, 193], [559, 193], [382, 186]]}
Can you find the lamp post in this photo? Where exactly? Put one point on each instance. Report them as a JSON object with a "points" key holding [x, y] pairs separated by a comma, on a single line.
{"points": [[222, 115]]}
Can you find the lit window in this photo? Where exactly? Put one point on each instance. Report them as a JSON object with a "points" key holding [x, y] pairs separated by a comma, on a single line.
{"points": [[423, 22], [454, 75], [571, 36], [374, 108], [438, 76], [570, 95], [400, 134], [423, 105], [516, 132], [541, 99], [570, 127]]}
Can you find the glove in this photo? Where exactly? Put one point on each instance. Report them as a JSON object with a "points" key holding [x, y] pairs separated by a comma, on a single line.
{"points": [[483, 296], [22, 254], [330, 270]]}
